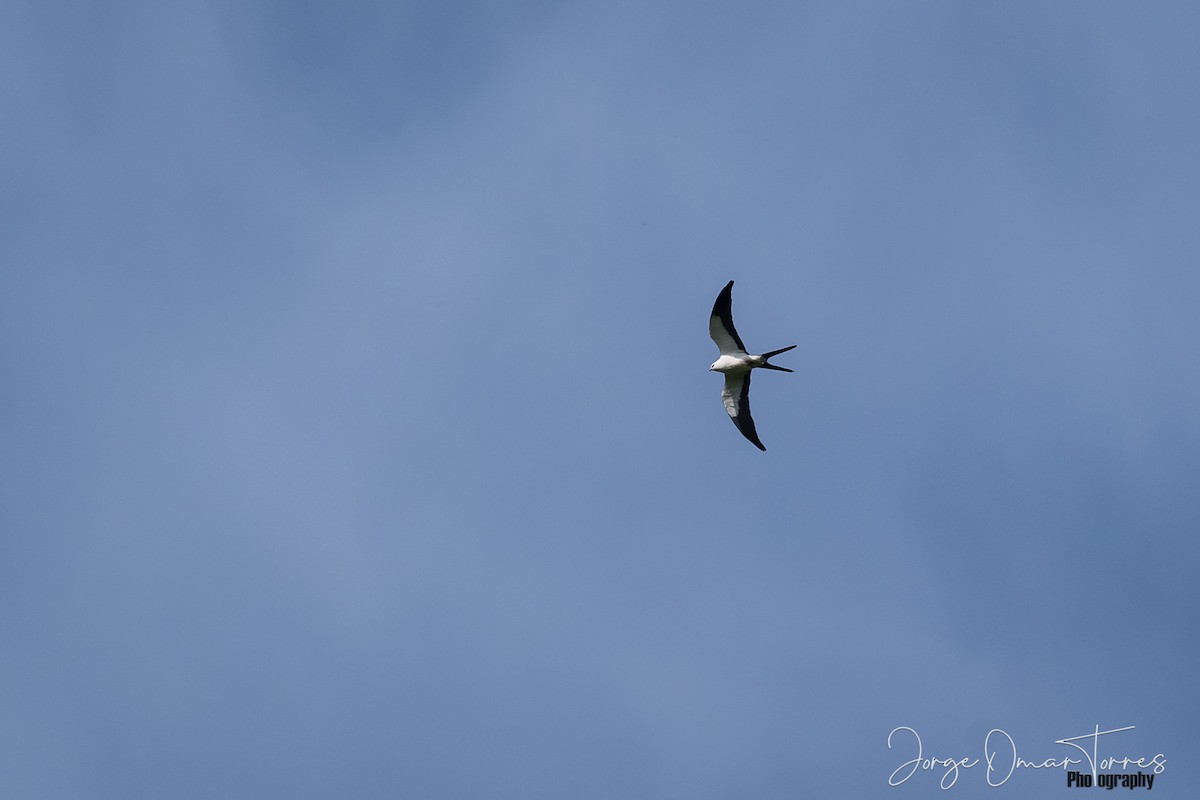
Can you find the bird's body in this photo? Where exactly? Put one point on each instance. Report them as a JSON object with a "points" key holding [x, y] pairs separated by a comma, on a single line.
{"points": [[741, 363], [735, 363]]}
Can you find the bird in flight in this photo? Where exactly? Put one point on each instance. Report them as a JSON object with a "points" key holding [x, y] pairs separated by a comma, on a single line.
{"points": [[735, 363]]}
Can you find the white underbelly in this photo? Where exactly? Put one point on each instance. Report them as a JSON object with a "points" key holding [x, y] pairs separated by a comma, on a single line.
{"points": [[730, 364]]}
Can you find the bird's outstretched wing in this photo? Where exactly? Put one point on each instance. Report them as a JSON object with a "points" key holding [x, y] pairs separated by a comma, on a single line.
{"points": [[720, 326], [736, 395]]}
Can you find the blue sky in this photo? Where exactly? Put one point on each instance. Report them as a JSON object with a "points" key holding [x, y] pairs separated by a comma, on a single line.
{"points": [[358, 438]]}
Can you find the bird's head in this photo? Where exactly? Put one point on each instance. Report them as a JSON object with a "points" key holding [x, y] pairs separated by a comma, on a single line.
{"points": [[713, 367]]}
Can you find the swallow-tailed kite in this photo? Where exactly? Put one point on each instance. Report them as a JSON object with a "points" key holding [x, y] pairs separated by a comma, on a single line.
{"points": [[736, 364]]}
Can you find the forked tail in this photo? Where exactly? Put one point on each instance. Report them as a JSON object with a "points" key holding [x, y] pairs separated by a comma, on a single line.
{"points": [[765, 356]]}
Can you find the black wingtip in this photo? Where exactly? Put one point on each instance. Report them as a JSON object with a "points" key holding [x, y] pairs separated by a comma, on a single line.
{"points": [[723, 310], [751, 435], [743, 421], [724, 300]]}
